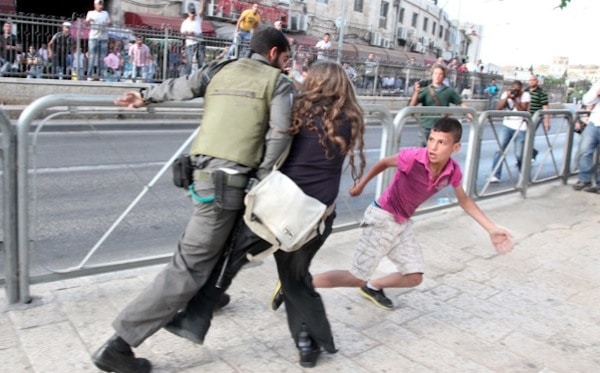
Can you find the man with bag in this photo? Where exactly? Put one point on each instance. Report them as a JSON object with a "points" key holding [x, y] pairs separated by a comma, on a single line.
{"points": [[231, 146], [434, 94]]}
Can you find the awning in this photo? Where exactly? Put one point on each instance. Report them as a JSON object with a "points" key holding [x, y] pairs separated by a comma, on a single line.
{"points": [[304, 40], [224, 30], [429, 61], [7, 6], [161, 22]]}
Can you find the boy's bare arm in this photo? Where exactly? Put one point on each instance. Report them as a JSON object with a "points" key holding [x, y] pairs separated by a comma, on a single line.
{"points": [[377, 168], [500, 237]]}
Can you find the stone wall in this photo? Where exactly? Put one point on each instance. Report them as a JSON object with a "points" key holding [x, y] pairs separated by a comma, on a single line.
{"points": [[18, 91], [21, 92]]}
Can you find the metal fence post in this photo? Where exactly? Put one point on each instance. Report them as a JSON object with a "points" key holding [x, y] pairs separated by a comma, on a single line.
{"points": [[165, 55], [9, 197]]}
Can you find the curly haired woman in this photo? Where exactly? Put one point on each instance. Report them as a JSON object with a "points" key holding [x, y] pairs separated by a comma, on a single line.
{"points": [[327, 125]]}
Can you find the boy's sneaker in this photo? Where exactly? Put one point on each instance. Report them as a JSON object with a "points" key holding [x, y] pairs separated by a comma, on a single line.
{"points": [[580, 185], [494, 179], [377, 297]]}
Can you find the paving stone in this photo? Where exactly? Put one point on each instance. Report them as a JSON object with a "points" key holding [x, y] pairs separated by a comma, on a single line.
{"points": [[55, 347]]}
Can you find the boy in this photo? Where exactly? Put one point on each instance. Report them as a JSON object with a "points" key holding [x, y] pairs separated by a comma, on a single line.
{"points": [[387, 228]]}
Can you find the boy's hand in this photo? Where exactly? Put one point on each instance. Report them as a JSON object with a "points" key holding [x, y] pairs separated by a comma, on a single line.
{"points": [[501, 239], [356, 190]]}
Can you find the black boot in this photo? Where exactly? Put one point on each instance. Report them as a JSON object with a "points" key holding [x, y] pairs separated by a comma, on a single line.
{"points": [[116, 356], [225, 298], [309, 350]]}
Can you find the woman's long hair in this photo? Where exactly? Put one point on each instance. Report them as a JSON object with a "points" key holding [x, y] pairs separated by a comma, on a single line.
{"points": [[328, 94]]}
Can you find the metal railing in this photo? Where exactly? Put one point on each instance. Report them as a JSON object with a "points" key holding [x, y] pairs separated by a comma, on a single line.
{"points": [[17, 172], [76, 106], [168, 57], [552, 138], [9, 203]]}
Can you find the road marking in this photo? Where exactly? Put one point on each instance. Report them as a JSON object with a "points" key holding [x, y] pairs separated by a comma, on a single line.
{"points": [[101, 167]]}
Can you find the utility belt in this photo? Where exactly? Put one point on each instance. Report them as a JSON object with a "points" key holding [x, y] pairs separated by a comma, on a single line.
{"points": [[221, 178], [185, 175], [232, 180]]}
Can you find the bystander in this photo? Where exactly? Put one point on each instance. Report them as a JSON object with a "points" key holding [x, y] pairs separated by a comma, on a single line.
{"points": [[98, 19], [59, 48]]}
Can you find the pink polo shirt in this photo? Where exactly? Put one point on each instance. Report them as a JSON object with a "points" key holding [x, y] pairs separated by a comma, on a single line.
{"points": [[140, 54], [413, 183]]}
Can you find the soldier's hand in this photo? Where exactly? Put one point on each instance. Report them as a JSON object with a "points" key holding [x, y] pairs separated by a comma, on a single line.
{"points": [[130, 100]]}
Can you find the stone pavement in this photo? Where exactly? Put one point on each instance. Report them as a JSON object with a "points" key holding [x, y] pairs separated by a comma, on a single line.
{"points": [[534, 310]]}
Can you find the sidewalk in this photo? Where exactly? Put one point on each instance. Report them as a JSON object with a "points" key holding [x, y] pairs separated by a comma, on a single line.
{"points": [[534, 310]]}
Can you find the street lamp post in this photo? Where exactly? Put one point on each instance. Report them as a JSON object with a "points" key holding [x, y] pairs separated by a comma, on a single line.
{"points": [[342, 26]]}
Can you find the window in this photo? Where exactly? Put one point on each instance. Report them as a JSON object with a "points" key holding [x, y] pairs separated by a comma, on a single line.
{"points": [[383, 12], [323, 1], [415, 19], [401, 15], [358, 6], [441, 34], [425, 23], [433, 27]]}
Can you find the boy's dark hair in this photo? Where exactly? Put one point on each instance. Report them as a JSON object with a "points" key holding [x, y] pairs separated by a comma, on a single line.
{"points": [[266, 38], [449, 125]]}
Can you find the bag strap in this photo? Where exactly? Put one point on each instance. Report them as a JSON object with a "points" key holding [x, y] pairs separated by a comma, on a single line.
{"points": [[283, 156], [434, 96]]}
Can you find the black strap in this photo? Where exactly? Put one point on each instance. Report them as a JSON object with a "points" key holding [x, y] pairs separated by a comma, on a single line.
{"points": [[434, 96]]}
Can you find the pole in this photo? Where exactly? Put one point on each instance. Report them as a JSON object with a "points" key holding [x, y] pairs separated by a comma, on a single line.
{"points": [[342, 27]]}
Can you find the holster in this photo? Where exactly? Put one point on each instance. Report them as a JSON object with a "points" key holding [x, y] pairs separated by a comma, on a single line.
{"points": [[182, 171], [219, 180]]}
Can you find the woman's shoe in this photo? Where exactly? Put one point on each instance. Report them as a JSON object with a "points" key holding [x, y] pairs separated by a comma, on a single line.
{"points": [[308, 358], [309, 350]]}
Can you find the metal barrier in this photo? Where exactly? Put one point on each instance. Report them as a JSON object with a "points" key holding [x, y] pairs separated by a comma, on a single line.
{"points": [[563, 132], [392, 131], [519, 183], [9, 202], [166, 46], [549, 150], [74, 104]]}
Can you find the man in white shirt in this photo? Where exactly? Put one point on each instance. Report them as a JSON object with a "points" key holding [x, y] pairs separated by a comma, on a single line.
{"points": [[323, 47], [514, 99], [191, 28], [98, 19]]}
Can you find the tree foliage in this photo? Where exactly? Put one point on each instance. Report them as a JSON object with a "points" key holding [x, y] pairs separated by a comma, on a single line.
{"points": [[564, 3]]}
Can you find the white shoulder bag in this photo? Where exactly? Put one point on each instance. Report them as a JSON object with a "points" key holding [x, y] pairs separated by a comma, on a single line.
{"points": [[279, 212]]}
